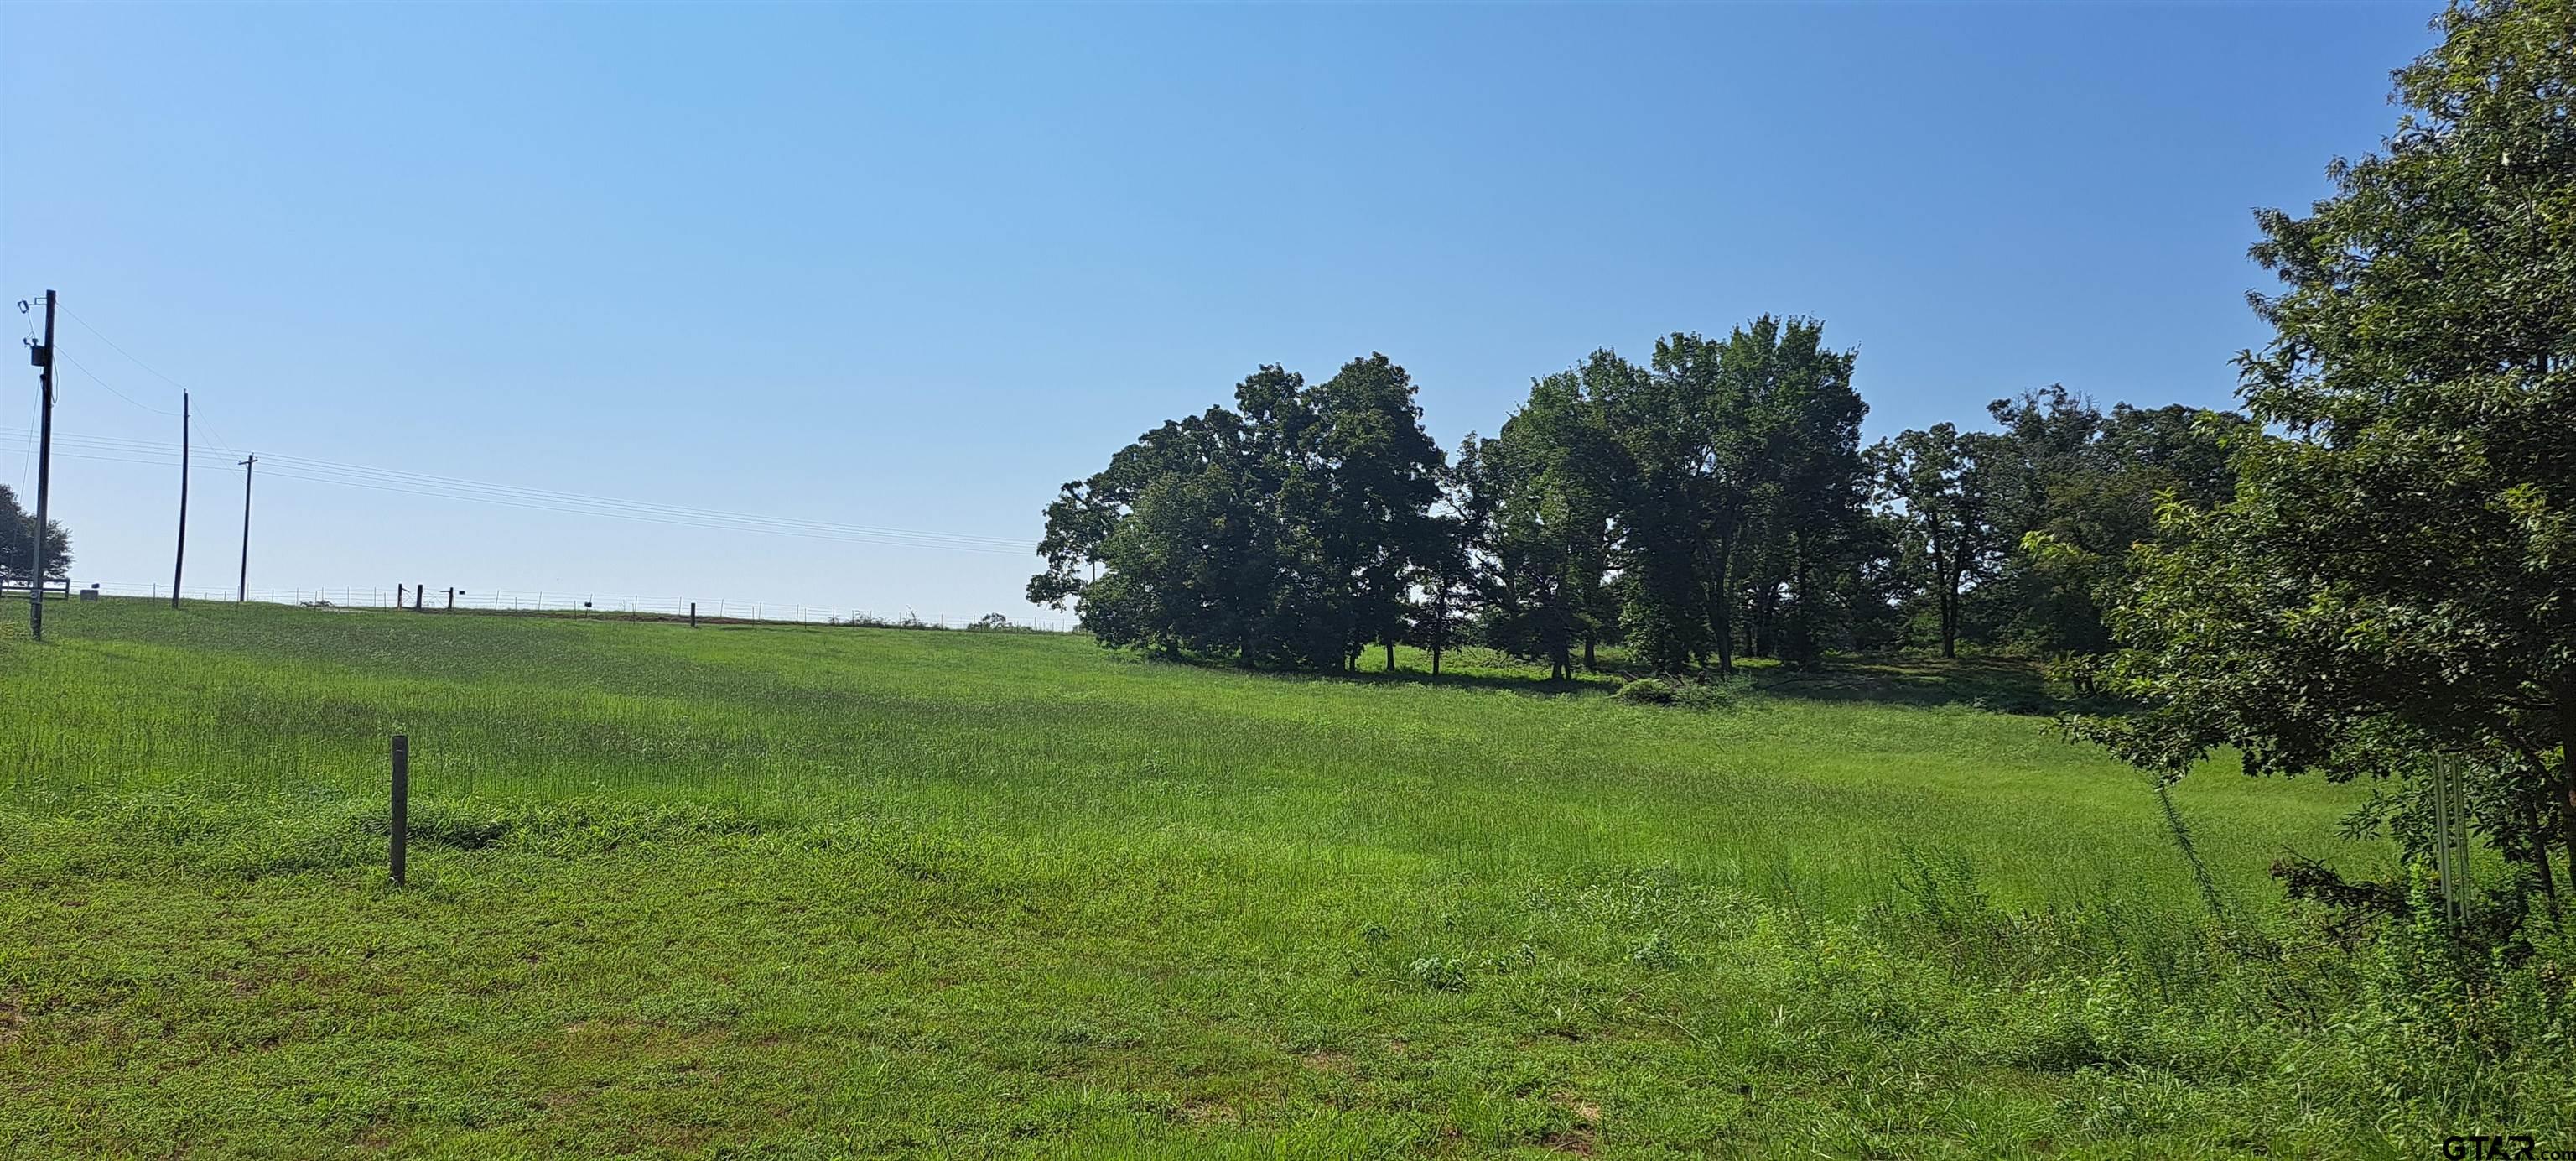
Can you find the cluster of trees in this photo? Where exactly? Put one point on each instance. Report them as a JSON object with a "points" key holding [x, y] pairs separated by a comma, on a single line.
{"points": [[2372, 569], [1287, 530], [2020, 537], [1713, 503], [18, 542]]}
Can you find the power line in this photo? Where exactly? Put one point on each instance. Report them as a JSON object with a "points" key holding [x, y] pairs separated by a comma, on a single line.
{"points": [[129, 355], [111, 389], [111, 345], [121, 450], [334, 472]]}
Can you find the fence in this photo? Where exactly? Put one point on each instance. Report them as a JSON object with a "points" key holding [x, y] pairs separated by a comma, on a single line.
{"points": [[10, 587], [493, 600]]}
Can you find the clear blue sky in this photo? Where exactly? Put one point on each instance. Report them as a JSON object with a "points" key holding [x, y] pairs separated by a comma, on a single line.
{"points": [[914, 267]]}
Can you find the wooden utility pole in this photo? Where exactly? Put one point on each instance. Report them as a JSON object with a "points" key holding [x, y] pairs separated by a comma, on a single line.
{"points": [[44, 357], [247, 466], [179, 562]]}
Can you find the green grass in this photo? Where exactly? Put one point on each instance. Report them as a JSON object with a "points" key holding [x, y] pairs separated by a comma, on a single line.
{"points": [[827, 891]]}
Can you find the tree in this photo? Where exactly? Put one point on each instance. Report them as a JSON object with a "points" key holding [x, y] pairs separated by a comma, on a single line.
{"points": [[2395, 575], [1454, 581], [1287, 530], [1374, 525], [1737, 481], [1179, 543], [1554, 477], [1809, 416], [1937, 485], [18, 542]]}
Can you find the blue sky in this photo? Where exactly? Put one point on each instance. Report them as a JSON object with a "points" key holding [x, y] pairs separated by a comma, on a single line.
{"points": [[912, 268]]}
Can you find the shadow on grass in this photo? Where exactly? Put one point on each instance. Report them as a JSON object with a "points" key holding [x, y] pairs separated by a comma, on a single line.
{"points": [[1533, 683], [2012, 685]]}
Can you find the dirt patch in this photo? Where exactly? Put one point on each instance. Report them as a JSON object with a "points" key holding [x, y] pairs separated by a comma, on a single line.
{"points": [[1337, 1063], [1584, 1137]]}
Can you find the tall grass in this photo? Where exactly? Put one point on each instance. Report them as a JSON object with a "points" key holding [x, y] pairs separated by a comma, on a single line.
{"points": [[1047, 735], [891, 892]]}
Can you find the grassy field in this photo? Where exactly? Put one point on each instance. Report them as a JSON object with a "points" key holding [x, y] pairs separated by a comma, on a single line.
{"points": [[771, 890]]}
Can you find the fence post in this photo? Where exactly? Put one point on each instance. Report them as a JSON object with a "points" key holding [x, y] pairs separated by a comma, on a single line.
{"points": [[693, 614], [402, 804]]}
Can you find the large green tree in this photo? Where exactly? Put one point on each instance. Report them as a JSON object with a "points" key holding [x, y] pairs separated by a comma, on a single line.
{"points": [[1936, 485], [2395, 575], [18, 542], [1808, 415], [1373, 523], [1287, 530], [1557, 481], [1743, 484], [2072, 488]]}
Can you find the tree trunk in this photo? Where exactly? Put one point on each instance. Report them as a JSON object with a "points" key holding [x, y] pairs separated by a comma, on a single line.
{"points": [[2540, 863], [1390, 656], [1950, 622], [1722, 609], [1439, 625], [1589, 665], [2567, 767]]}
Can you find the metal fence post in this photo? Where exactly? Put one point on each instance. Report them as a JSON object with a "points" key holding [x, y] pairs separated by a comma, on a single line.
{"points": [[402, 804]]}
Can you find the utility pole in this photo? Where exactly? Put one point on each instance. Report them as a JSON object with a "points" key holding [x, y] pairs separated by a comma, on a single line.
{"points": [[44, 356], [247, 466], [179, 562]]}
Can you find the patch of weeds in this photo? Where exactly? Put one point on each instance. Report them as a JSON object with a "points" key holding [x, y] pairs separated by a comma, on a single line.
{"points": [[1518, 959], [1648, 691], [1713, 694], [584, 826], [465, 826], [1439, 973], [1654, 953]]}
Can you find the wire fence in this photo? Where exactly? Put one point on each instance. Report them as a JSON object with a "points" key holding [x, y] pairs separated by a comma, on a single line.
{"points": [[556, 601]]}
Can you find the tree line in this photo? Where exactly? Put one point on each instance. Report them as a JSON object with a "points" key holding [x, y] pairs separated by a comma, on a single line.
{"points": [[2369, 572], [1713, 503]]}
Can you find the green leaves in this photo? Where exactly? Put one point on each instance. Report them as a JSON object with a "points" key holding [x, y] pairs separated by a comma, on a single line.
{"points": [[2391, 576], [1284, 531]]}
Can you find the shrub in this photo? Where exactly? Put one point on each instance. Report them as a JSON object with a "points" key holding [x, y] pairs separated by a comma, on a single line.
{"points": [[1648, 691]]}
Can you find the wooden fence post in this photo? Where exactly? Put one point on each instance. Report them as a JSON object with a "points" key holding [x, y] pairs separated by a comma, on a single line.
{"points": [[402, 804]]}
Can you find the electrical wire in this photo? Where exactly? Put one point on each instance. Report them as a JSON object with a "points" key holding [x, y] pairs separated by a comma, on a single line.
{"points": [[114, 449], [111, 388], [111, 344], [213, 454]]}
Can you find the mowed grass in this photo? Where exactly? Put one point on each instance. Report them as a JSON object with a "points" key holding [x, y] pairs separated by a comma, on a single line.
{"points": [[826, 891]]}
